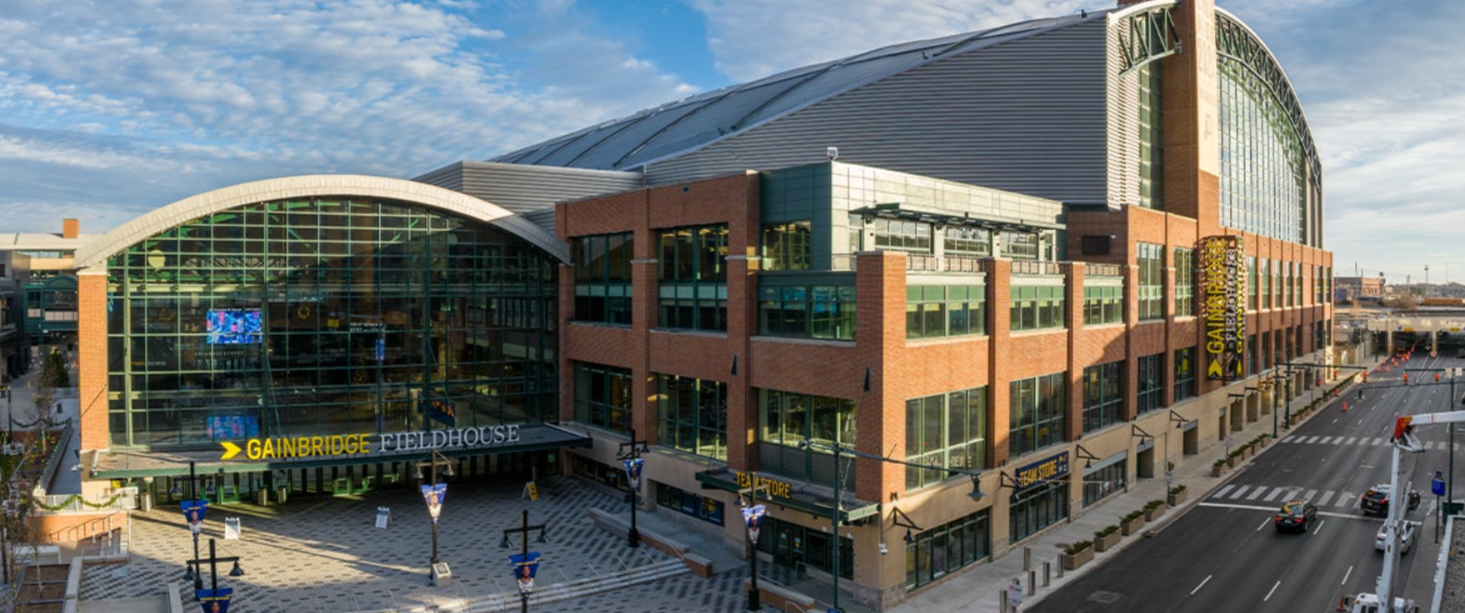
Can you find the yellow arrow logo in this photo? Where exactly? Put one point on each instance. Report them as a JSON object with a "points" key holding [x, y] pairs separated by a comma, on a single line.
{"points": [[1214, 372], [230, 450]]}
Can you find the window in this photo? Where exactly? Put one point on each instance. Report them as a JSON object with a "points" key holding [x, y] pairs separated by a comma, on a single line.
{"points": [[901, 235], [1037, 307], [946, 431], [934, 553], [973, 242], [787, 246], [1103, 304], [706, 509], [1184, 373], [1184, 282], [1020, 245], [1251, 287], [603, 278], [1150, 375], [936, 310], [692, 293], [1264, 268], [1039, 407], [797, 545], [603, 396], [785, 418], [1037, 508], [693, 415], [1151, 261], [1103, 395], [1151, 138], [1102, 482], [820, 311]]}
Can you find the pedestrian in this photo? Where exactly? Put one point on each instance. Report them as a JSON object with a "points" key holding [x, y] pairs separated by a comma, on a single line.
{"points": [[1360, 393], [1014, 595]]}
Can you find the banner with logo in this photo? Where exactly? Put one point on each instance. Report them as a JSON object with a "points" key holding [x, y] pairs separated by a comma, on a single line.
{"points": [[214, 601], [525, 567], [193, 513], [434, 495], [441, 409], [633, 473], [383, 516], [231, 528], [1221, 281], [753, 517]]}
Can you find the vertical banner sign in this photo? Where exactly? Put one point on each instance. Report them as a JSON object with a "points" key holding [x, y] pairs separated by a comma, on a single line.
{"points": [[525, 567], [384, 515], [753, 517], [434, 495], [1221, 272], [193, 512], [633, 473], [214, 601]]}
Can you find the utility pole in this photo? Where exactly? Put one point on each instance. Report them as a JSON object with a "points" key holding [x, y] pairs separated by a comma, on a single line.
{"points": [[632, 460]]}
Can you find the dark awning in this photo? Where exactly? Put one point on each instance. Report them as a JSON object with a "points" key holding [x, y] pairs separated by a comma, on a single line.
{"points": [[126, 464], [800, 498]]}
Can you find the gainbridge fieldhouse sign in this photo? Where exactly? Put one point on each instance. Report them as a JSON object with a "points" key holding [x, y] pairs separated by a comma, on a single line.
{"points": [[1221, 281], [300, 447]]}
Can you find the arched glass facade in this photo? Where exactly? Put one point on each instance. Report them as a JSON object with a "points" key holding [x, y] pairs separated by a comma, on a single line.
{"points": [[326, 316], [1270, 183]]}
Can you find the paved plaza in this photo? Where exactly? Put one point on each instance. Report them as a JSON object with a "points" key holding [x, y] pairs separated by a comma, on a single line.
{"points": [[324, 554]]}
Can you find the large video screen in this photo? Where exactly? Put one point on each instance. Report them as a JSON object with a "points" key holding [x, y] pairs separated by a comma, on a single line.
{"points": [[232, 426], [233, 326]]}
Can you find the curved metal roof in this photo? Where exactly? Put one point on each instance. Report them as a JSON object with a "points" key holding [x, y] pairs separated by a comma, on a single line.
{"points": [[691, 123], [97, 251]]}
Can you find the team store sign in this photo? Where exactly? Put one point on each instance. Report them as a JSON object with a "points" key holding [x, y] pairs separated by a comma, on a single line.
{"points": [[300, 447]]}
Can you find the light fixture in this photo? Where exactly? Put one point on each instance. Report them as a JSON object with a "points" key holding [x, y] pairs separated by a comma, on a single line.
{"points": [[1178, 419], [448, 472], [237, 571], [175, 490], [504, 544], [908, 538], [976, 493], [542, 537], [188, 574], [1137, 432], [417, 473]]}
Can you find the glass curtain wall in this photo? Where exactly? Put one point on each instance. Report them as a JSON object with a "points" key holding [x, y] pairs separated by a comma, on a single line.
{"points": [[326, 316]]}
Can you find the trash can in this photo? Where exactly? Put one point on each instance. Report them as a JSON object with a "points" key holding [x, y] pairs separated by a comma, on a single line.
{"points": [[281, 493], [145, 502], [262, 497]]}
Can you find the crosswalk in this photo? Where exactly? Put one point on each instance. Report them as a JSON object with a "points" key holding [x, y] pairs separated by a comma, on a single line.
{"points": [[1324, 499], [1380, 441]]}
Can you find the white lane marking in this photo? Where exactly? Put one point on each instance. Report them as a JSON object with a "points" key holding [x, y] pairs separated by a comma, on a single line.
{"points": [[1259, 491], [1335, 420], [1309, 495], [1328, 495], [1252, 507], [1275, 493], [1273, 590], [1346, 499], [1312, 439], [1434, 504], [1264, 524], [1346, 575], [1202, 584], [1290, 439], [1319, 526], [1351, 440], [1241, 491], [1222, 492]]}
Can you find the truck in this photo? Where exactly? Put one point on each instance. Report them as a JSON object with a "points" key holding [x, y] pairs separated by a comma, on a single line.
{"points": [[1402, 442]]}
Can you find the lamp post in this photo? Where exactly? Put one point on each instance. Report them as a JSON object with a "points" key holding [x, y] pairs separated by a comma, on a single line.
{"points": [[630, 453], [752, 520], [523, 532], [192, 496], [434, 460], [1179, 422], [213, 561], [836, 514]]}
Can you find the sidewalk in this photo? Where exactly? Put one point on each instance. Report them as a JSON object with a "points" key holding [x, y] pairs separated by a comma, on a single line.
{"points": [[979, 590]]}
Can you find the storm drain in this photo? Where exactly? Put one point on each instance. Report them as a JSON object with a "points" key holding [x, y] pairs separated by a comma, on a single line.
{"points": [[1104, 597]]}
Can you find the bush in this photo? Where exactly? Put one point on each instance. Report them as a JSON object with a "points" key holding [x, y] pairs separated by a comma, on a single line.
{"points": [[1075, 548], [1110, 529], [1177, 489], [1154, 504], [1133, 515], [53, 371], [1219, 463]]}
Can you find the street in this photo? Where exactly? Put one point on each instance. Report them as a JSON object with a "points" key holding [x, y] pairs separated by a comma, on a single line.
{"points": [[1226, 549]]}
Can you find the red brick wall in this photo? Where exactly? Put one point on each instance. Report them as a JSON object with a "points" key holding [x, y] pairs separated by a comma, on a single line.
{"points": [[91, 333]]}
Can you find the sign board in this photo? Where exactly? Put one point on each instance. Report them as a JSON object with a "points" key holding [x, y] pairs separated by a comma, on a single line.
{"points": [[383, 517], [434, 495], [193, 513], [1221, 280], [633, 472], [301, 447], [533, 491], [1042, 471], [231, 528], [526, 566], [214, 601], [774, 487], [1437, 485]]}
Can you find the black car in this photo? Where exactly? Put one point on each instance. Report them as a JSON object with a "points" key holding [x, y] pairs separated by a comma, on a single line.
{"points": [[1296, 515], [1376, 500]]}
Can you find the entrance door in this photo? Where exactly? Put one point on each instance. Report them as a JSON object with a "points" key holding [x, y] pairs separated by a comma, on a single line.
{"points": [[789, 544]]}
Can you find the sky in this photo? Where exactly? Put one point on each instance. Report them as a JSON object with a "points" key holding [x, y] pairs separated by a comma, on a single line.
{"points": [[112, 108]]}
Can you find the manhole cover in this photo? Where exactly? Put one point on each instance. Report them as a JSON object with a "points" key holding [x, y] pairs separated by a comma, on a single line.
{"points": [[1103, 597]]}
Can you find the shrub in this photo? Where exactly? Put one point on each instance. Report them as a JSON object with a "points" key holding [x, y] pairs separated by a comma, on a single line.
{"points": [[1219, 463], [1133, 515], [1110, 529], [1177, 489], [1153, 504], [1075, 548]]}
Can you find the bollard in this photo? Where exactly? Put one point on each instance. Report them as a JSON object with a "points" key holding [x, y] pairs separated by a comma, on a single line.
{"points": [[1002, 601], [1060, 571], [1027, 558], [1033, 582], [1047, 573]]}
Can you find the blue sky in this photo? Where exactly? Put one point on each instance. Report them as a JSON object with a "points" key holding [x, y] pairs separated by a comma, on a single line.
{"points": [[110, 108]]}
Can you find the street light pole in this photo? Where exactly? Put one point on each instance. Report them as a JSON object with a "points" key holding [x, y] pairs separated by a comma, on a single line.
{"points": [[633, 538], [434, 459], [755, 597], [523, 532]]}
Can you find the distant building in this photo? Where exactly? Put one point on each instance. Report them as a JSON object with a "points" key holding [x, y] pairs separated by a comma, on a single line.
{"points": [[14, 271], [50, 290], [1362, 288]]}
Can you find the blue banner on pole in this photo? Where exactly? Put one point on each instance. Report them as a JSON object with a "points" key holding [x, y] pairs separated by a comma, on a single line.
{"points": [[525, 567], [381, 350], [753, 518], [1437, 486], [441, 409], [633, 473], [215, 601], [434, 495], [193, 513]]}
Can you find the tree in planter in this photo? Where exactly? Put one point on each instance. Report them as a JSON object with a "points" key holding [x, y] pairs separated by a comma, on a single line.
{"points": [[53, 371]]}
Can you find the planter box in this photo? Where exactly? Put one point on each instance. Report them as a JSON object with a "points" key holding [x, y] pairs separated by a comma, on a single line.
{"points": [[1072, 562], [1154, 514], [1130, 528], [1176, 499], [1231, 461], [1103, 543], [1217, 471]]}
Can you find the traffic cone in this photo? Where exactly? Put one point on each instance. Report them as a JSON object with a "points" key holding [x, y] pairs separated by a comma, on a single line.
{"points": [[1345, 406], [1343, 603]]}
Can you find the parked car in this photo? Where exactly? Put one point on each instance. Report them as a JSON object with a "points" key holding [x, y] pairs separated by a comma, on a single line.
{"points": [[1376, 500], [1295, 515], [1407, 531]]}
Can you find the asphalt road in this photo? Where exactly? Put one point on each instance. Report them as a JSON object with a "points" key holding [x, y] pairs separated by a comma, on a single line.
{"points": [[1226, 553]]}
